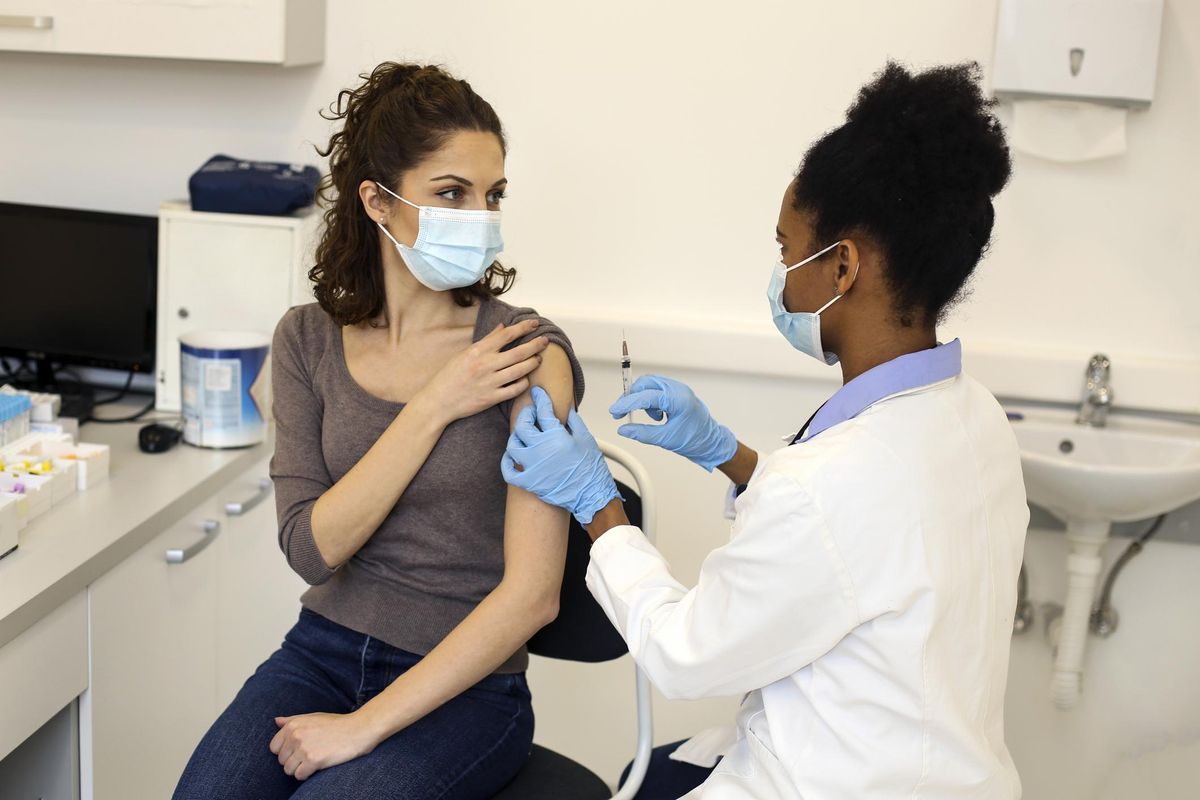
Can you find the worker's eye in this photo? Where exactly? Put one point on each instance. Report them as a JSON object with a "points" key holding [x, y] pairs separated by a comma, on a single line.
{"points": [[452, 194], [496, 196]]}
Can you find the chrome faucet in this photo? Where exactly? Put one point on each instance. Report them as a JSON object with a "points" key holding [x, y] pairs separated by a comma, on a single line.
{"points": [[1097, 393]]}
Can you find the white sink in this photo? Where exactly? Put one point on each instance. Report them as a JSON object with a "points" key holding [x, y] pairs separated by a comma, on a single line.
{"points": [[1132, 469]]}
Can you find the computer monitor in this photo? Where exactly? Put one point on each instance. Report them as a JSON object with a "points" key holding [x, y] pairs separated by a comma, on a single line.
{"points": [[77, 288]]}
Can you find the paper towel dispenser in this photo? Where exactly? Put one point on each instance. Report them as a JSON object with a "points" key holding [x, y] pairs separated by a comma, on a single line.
{"points": [[1104, 51]]}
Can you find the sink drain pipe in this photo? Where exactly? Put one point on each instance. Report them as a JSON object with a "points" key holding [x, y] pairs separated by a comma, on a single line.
{"points": [[1083, 569]]}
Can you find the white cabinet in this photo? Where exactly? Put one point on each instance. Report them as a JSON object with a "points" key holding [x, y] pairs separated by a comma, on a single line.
{"points": [[258, 594], [42, 671], [285, 32], [153, 684], [173, 640], [225, 272]]}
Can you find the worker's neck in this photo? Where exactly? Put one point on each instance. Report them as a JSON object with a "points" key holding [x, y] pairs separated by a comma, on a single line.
{"points": [[869, 349]]}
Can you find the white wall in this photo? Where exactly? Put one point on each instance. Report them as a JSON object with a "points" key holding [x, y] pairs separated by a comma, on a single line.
{"points": [[650, 145]]}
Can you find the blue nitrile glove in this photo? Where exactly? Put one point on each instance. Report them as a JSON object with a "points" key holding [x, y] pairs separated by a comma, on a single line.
{"points": [[564, 468], [689, 430]]}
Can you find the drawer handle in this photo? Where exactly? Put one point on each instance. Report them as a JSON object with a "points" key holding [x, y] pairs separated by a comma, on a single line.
{"points": [[177, 555], [236, 509], [36, 23]]}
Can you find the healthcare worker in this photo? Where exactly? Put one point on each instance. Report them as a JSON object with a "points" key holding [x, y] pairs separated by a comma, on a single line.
{"points": [[864, 603]]}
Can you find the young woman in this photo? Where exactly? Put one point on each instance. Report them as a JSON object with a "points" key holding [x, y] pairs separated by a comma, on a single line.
{"points": [[864, 603], [393, 396]]}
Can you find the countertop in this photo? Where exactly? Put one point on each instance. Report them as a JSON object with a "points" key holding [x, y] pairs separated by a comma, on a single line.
{"points": [[90, 532]]}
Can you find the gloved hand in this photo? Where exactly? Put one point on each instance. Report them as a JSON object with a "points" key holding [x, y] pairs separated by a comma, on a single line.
{"points": [[689, 430], [564, 468]]}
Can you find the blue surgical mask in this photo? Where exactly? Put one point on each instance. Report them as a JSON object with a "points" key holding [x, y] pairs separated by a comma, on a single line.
{"points": [[454, 247], [802, 329]]}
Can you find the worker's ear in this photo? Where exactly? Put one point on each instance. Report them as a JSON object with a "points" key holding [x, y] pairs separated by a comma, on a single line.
{"points": [[846, 271]]}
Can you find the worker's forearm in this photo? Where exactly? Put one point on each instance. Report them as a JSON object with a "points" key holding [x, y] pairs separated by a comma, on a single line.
{"points": [[739, 468], [607, 518], [498, 626], [346, 515]]}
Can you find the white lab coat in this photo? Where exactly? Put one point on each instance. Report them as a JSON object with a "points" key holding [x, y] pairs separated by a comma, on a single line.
{"points": [[864, 606]]}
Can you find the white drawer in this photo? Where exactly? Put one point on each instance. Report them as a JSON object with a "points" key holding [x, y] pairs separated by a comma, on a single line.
{"points": [[43, 670]]}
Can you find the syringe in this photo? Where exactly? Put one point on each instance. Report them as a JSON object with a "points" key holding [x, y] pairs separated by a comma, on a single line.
{"points": [[626, 369]]}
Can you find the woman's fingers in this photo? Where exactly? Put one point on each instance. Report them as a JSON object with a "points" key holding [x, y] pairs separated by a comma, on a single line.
{"points": [[287, 747], [292, 764], [518, 370], [510, 333], [511, 391], [522, 352]]}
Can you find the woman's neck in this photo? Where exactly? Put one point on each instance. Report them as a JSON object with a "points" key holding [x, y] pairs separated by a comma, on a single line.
{"points": [[875, 348], [409, 305]]}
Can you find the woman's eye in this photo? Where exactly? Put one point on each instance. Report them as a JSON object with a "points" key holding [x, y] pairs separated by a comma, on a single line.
{"points": [[453, 194], [495, 197]]}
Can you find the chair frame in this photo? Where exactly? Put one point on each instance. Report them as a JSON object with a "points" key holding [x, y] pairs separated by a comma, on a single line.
{"points": [[645, 711]]}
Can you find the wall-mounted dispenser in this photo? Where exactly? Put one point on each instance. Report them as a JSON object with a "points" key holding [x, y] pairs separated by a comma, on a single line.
{"points": [[1103, 51], [1073, 69]]}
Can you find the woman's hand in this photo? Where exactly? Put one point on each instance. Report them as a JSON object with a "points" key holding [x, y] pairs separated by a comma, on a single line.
{"points": [[309, 742], [482, 376]]}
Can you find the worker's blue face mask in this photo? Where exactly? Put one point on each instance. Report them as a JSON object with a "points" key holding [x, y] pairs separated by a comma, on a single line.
{"points": [[802, 329], [454, 247]]}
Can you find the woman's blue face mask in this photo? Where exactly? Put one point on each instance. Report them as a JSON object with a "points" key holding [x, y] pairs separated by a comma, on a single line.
{"points": [[802, 329], [454, 247]]}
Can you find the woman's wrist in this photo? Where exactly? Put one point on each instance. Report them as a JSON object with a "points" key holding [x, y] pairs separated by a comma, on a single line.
{"points": [[376, 721], [427, 414]]}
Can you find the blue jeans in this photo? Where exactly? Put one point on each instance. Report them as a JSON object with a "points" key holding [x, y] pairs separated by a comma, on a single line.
{"points": [[468, 748]]}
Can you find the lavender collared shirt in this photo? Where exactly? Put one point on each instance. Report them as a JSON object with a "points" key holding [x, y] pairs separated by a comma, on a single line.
{"points": [[901, 374]]}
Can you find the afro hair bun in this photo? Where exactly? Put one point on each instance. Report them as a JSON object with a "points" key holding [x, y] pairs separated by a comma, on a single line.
{"points": [[915, 166]]}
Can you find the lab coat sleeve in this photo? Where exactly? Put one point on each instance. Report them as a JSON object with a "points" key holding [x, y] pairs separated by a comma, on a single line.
{"points": [[731, 494], [768, 603], [297, 468]]}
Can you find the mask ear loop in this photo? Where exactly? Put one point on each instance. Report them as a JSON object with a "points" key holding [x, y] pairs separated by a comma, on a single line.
{"points": [[386, 232], [839, 295], [398, 197], [811, 258]]}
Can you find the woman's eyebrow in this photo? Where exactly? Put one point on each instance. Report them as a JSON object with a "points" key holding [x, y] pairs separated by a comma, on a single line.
{"points": [[501, 182], [461, 180]]}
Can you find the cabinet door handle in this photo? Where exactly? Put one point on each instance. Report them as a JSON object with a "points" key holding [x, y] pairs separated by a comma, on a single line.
{"points": [[236, 508], [18, 21], [177, 555]]}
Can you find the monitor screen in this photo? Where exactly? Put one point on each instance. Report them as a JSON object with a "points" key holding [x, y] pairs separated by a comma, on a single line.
{"points": [[78, 287]]}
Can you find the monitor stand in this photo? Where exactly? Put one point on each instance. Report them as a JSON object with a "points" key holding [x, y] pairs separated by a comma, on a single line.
{"points": [[78, 399]]}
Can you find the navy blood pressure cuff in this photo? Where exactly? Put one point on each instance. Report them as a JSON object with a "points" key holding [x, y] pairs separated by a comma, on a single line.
{"points": [[235, 186]]}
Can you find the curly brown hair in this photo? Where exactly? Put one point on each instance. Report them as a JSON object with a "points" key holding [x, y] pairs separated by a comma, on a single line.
{"points": [[391, 122]]}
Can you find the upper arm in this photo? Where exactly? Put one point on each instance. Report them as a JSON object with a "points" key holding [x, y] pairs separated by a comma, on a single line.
{"points": [[535, 534], [297, 468]]}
